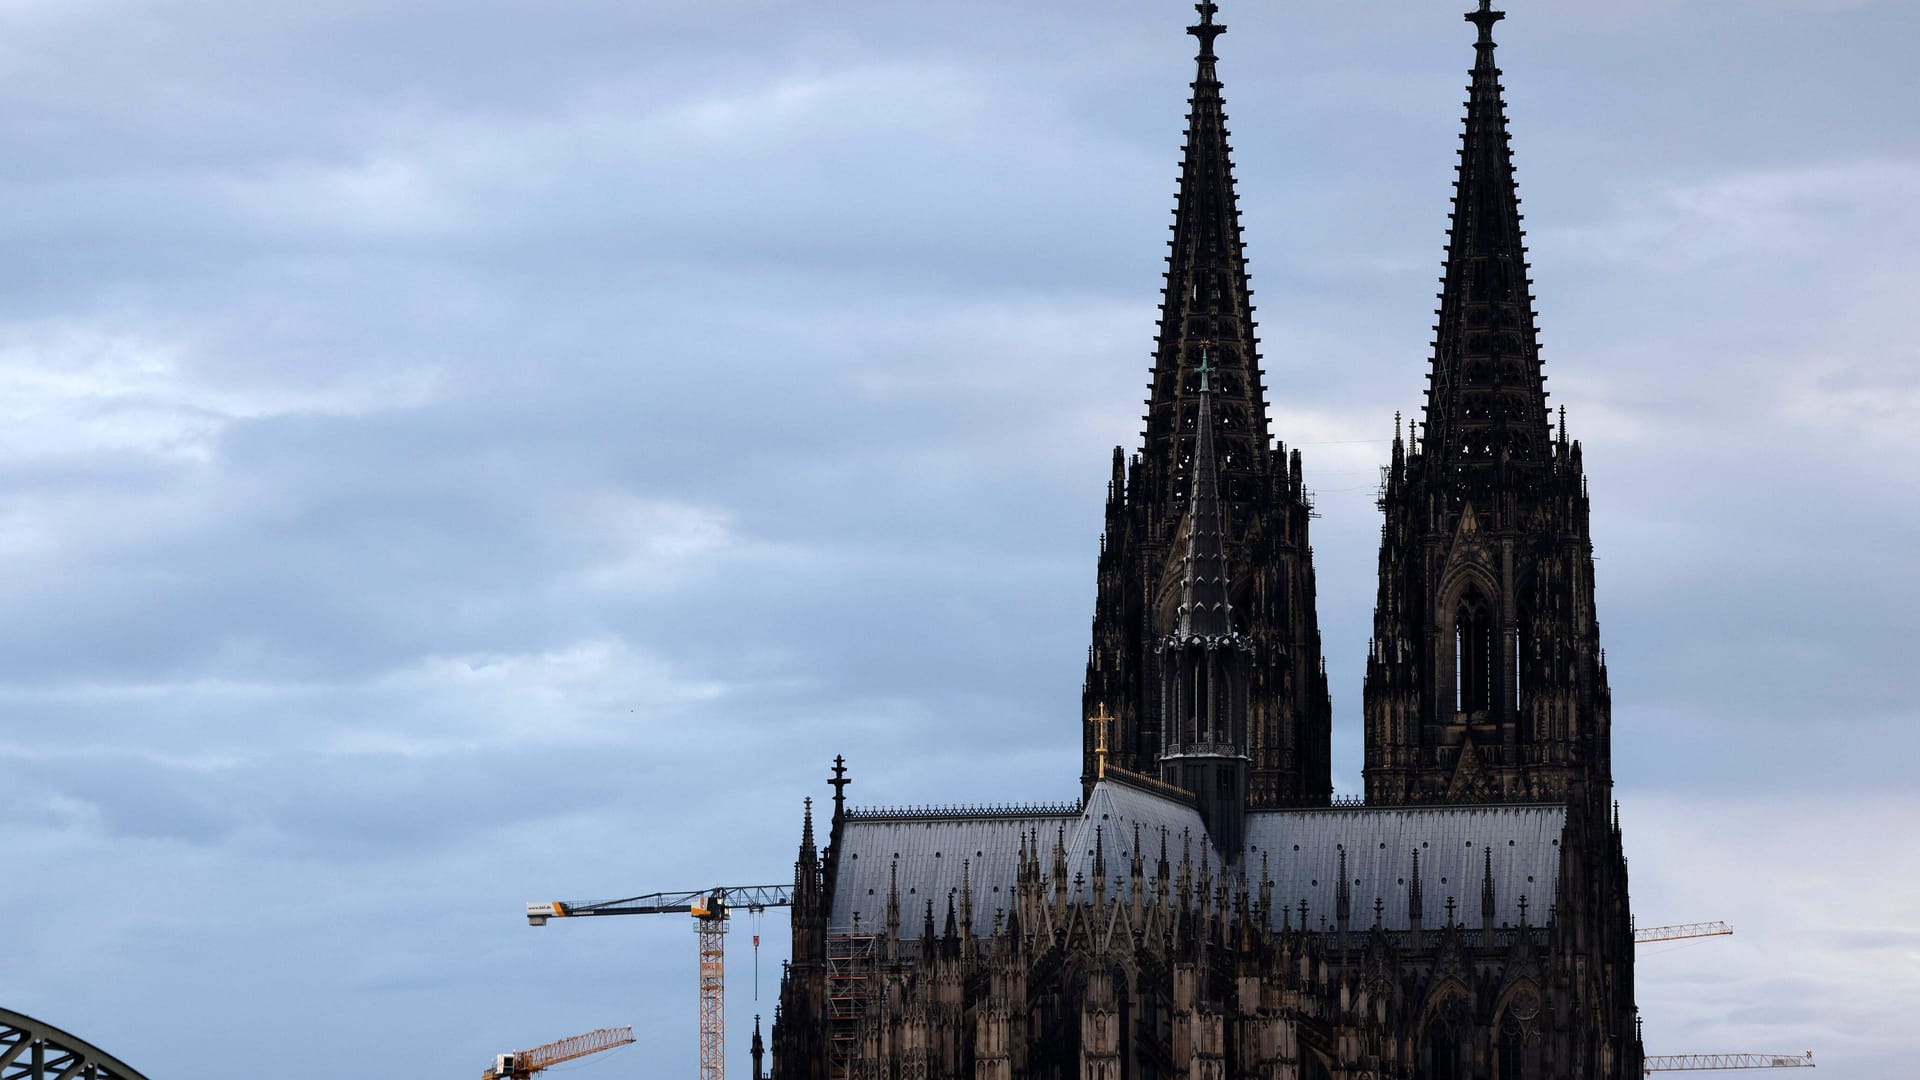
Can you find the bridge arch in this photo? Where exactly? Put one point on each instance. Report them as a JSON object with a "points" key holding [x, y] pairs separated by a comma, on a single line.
{"points": [[32, 1050]]}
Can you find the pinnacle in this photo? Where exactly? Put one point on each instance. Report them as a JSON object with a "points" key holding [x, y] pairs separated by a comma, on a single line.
{"points": [[1204, 607]]}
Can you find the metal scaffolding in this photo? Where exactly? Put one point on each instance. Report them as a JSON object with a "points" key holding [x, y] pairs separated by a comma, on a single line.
{"points": [[850, 965]]}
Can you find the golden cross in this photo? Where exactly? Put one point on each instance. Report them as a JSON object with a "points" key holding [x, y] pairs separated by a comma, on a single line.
{"points": [[1100, 744]]}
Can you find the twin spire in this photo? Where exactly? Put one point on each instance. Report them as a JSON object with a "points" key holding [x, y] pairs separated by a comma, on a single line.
{"points": [[1486, 417], [1207, 299]]}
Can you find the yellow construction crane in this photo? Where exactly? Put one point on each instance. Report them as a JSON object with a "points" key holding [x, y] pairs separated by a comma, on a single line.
{"points": [[1680, 1062], [1684, 930], [710, 908], [521, 1064]]}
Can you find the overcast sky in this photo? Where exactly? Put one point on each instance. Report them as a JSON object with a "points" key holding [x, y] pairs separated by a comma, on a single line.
{"points": [[461, 453]]}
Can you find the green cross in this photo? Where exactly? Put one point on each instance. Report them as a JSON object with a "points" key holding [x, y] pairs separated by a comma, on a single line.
{"points": [[1205, 369]]}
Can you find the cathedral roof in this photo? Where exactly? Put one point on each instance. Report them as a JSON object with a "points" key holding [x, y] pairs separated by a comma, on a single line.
{"points": [[1114, 811], [929, 848], [1302, 850], [924, 851]]}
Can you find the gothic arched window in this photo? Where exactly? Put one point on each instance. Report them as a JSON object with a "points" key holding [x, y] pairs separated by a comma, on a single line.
{"points": [[1475, 649], [1440, 1051], [1517, 667], [1518, 1051]]}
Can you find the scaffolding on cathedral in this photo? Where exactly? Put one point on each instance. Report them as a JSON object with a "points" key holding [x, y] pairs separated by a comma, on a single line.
{"points": [[849, 965]]}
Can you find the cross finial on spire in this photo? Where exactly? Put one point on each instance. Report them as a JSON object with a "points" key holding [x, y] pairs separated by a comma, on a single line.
{"points": [[1206, 369], [1484, 19], [839, 783], [1206, 29]]}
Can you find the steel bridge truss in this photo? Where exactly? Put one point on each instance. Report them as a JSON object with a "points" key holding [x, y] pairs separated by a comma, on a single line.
{"points": [[31, 1050]]}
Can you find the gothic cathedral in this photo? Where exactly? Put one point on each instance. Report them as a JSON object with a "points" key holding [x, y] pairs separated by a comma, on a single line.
{"points": [[1205, 909]]}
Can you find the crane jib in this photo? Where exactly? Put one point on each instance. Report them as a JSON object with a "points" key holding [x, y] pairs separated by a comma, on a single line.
{"points": [[717, 903]]}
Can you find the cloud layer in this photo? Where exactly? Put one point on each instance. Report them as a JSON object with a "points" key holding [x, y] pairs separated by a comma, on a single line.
{"points": [[453, 455]]}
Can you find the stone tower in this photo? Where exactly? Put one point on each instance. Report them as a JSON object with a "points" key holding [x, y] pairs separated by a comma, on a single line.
{"points": [[1485, 681], [1204, 662], [1206, 317]]}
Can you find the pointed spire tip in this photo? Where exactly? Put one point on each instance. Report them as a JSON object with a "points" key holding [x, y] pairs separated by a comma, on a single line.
{"points": [[1206, 29], [1484, 18]]}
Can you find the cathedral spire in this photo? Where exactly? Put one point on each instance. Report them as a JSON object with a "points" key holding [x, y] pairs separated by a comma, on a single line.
{"points": [[1207, 295], [1486, 416], [1246, 521], [1204, 609], [1482, 685]]}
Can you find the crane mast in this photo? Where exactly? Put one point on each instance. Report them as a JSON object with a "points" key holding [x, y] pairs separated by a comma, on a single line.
{"points": [[711, 932]]}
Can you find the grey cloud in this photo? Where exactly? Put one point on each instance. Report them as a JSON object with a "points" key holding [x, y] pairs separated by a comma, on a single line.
{"points": [[457, 455]]}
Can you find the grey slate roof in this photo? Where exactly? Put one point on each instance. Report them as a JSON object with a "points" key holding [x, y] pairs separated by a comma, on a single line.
{"points": [[1303, 860], [931, 850], [1302, 848], [1111, 813]]}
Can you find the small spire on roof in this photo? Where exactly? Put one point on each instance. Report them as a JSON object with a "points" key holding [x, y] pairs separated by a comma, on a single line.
{"points": [[1416, 907], [839, 783], [1486, 886], [966, 895], [1205, 609]]}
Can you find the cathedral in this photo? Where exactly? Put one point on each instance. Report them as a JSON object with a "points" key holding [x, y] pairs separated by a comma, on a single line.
{"points": [[1206, 908]]}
